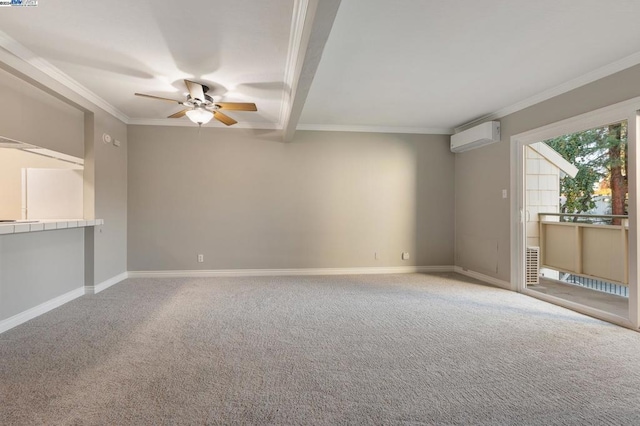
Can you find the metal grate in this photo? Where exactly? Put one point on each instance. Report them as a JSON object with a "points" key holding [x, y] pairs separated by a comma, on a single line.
{"points": [[532, 274], [593, 284]]}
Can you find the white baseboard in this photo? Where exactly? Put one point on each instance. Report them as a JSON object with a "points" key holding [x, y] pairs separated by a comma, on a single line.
{"points": [[45, 307], [42, 308], [285, 272], [106, 284], [484, 278]]}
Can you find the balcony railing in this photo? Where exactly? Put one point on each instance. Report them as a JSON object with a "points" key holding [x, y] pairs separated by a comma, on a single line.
{"points": [[593, 284], [587, 245]]}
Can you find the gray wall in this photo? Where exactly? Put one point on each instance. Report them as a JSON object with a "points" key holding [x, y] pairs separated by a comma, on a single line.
{"points": [[37, 267], [110, 168], [40, 266], [30, 115], [482, 217], [38, 110], [324, 200]]}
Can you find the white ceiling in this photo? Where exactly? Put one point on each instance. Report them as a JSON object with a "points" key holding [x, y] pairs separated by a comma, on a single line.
{"points": [[118, 47], [433, 64], [414, 66]]}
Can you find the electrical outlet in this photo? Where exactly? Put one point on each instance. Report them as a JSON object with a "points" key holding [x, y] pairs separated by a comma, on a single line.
{"points": [[375, 255], [200, 258], [405, 255]]}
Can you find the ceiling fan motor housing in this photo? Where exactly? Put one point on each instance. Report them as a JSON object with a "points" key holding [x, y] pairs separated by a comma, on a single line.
{"points": [[208, 100], [201, 108]]}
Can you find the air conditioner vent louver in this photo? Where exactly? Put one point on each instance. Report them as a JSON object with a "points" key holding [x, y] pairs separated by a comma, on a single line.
{"points": [[532, 273]]}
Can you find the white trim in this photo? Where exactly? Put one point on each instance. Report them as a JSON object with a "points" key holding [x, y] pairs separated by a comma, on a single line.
{"points": [[58, 75], [568, 86], [288, 272], [588, 120], [189, 123], [633, 261], [375, 129], [516, 171], [42, 308], [106, 284], [484, 278]]}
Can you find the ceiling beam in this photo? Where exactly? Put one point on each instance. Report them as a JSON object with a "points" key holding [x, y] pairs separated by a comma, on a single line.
{"points": [[307, 44]]}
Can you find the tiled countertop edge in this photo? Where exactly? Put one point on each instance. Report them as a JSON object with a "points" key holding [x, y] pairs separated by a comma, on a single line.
{"points": [[47, 225]]}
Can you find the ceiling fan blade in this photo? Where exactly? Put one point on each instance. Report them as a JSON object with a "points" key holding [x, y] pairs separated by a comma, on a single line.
{"points": [[179, 113], [237, 106], [195, 90], [224, 118], [157, 97]]}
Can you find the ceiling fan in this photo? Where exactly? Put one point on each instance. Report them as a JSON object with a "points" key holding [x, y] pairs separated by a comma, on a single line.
{"points": [[201, 108]]}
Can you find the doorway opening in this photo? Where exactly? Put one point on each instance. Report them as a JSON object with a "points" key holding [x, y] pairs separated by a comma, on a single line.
{"points": [[574, 227], [576, 217]]}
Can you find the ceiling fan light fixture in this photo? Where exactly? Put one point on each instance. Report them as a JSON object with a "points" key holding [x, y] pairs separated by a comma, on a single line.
{"points": [[200, 116], [200, 108]]}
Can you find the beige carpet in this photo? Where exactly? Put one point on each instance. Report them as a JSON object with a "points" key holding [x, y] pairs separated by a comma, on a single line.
{"points": [[391, 349]]}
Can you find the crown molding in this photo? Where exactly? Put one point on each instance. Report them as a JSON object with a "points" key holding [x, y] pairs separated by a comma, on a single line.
{"points": [[375, 129], [58, 75], [187, 123], [568, 86]]}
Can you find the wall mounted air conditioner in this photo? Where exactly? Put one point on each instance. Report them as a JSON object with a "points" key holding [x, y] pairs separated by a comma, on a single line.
{"points": [[475, 137]]}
